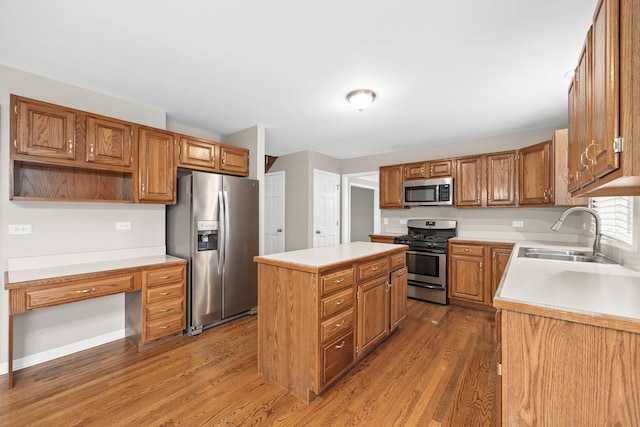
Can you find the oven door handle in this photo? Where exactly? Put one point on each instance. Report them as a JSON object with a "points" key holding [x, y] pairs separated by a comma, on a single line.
{"points": [[424, 285]]}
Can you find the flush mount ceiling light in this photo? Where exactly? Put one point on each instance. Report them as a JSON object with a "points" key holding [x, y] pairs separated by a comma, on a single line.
{"points": [[361, 98]]}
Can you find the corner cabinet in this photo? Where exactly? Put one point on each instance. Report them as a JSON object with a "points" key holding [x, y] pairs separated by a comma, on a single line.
{"points": [[391, 187], [316, 323], [156, 173], [475, 270]]}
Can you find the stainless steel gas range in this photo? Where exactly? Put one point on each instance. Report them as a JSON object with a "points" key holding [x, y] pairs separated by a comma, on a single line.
{"points": [[427, 257]]}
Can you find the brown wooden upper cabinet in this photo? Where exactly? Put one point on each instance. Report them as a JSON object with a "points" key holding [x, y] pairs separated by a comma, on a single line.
{"points": [[391, 187], [156, 172], [234, 160], [502, 179], [428, 169], [537, 175], [108, 141], [604, 159], [197, 153], [43, 130], [470, 185]]}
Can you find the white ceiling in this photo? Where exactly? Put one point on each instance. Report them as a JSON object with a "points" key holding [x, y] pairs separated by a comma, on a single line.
{"points": [[443, 71]]}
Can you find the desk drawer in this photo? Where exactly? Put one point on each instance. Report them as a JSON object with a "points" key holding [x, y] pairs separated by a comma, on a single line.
{"points": [[164, 293], [163, 276], [164, 309], [165, 326], [79, 291]]}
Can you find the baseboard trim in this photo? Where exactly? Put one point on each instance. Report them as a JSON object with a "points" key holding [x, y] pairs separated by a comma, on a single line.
{"points": [[65, 350]]}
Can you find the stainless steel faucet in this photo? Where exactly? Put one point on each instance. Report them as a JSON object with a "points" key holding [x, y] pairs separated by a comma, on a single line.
{"points": [[596, 242]]}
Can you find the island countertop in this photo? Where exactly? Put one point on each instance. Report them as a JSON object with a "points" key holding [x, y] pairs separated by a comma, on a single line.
{"points": [[326, 257]]}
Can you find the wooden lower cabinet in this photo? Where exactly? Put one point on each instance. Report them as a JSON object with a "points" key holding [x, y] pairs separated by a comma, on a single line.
{"points": [[316, 324], [475, 269], [162, 309], [567, 373]]}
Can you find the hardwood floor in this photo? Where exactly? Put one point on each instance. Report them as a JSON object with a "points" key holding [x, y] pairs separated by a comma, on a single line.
{"points": [[437, 370]]}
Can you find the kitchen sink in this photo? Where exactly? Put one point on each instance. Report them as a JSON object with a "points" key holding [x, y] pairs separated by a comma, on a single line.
{"points": [[563, 255]]}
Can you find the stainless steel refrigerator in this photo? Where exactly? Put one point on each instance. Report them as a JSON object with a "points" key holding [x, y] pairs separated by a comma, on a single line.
{"points": [[214, 225]]}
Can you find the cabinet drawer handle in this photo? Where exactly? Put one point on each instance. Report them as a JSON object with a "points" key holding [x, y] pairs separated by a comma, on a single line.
{"points": [[400, 273], [340, 280], [340, 302], [166, 293], [85, 291], [339, 346], [375, 268], [164, 326], [467, 250], [339, 325], [166, 277], [164, 310]]}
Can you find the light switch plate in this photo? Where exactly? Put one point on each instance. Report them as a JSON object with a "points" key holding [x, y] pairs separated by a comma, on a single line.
{"points": [[517, 224], [386, 221], [403, 221]]}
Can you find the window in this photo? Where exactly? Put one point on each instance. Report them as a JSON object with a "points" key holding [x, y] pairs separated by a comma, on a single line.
{"points": [[616, 214]]}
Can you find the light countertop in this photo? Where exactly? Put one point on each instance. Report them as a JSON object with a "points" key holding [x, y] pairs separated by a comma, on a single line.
{"points": [[326, 256], [586, 292]]}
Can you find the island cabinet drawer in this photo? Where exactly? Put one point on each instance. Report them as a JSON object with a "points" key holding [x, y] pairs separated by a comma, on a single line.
{"points": [[164, 293], [336, 303], [470, 250], [336, 325], [164, 309], [337, 355], [165, 275], [164, 326], [338, 280], [397, 261], [377, 267], [78, 291]]}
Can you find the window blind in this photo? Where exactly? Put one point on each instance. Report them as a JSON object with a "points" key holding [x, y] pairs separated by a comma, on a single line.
{"points": [[616, 214]]}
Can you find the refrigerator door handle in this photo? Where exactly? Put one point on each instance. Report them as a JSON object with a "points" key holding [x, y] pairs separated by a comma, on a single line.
{"points": [[223, 232], [227, 237]]}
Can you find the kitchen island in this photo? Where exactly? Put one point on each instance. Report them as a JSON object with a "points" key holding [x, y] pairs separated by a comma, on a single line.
{"points": [[322, 310], [568, 343]]}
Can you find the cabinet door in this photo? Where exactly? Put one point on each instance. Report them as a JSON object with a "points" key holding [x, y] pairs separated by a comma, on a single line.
{"points": [[373, 313], [605, 91], [45, 130], [466, 280], [562, 176], [499, 259], [583, 169], [197, 153], [391, 187], [469, 182], [441, 168], [418, 170], [157, 174], [501, 179], [234, 160], [108, 142], [572, 143], [536, 168], [398, 297]]}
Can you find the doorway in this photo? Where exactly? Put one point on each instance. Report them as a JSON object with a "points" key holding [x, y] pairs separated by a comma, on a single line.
{"points": [[369, 218]]}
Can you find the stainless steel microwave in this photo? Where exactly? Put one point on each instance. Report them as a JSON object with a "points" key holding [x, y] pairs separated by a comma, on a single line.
{"points": [[428, 192]]}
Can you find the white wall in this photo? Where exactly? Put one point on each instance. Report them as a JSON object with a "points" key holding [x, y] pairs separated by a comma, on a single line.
{"points": [[59, 227]]}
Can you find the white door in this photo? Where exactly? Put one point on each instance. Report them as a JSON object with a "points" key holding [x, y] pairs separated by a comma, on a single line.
{"points": [[274, 212], [326, 208]]}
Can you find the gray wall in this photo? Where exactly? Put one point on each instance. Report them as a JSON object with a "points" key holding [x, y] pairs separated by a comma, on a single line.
{"points": [[361, 213]]}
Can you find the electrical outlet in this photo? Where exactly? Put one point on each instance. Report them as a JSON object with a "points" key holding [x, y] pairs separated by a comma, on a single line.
{"points": [[123, 226], [19, 228], [517, 224], [403, 221]]}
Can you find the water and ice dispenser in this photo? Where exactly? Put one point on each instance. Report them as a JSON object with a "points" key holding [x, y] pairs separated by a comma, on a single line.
{"points": [[207, 235]]}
